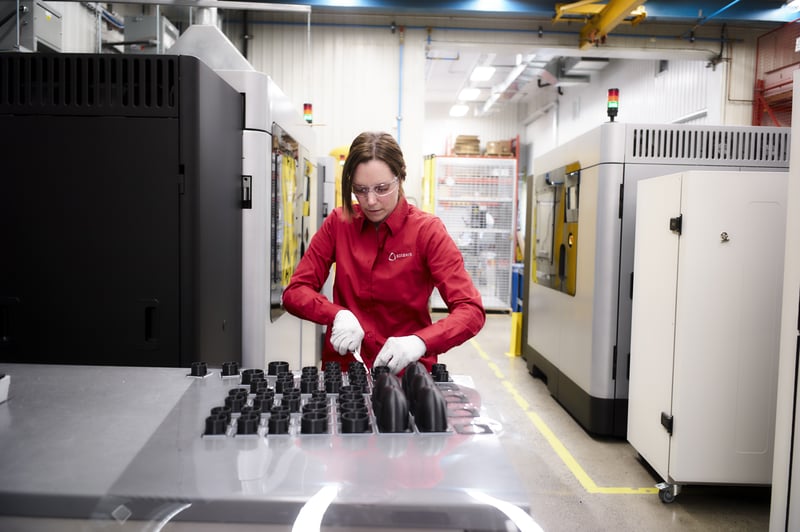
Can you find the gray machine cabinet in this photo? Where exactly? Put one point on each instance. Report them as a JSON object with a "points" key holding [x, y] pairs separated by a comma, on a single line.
{"points": [[705, 327], [579, 343]]}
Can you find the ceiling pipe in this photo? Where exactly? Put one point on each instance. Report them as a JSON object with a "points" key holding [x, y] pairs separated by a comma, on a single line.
{"points": [[712, 15]]}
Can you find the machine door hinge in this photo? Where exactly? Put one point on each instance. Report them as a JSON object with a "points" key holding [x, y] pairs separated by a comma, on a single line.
{"points": [[666, 422], [631, 291], [181, 180], [247, 192], [676, 224], [614, 365]]}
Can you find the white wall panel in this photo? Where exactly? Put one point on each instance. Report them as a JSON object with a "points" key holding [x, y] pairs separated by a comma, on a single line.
{"points": [[441, 129], [737, 98], [79, 27], [687, 91], [353, 79]]}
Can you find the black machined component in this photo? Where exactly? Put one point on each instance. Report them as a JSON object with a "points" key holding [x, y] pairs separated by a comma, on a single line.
{"points": [[229, 369], [251, 410], [284, 382], [309, 383], [355, 422], [332, 385], [199, 369], [315, 406], [390, 404], [223, 410], [235, 402], [292, 399], [430, 410], [352, 406], [319, 394], [351, 397], [258, 384], [278, 423], [252, 373], [248, 423], [377, 371], [315, 422], [264, 401], [276, 367], [332, 367], [216, 424]]}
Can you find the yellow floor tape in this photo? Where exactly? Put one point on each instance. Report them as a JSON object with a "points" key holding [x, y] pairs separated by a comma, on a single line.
{"points": [[580, 474]]}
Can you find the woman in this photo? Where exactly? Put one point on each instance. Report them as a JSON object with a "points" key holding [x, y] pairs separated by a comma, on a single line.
{"points": [[389, 256]]}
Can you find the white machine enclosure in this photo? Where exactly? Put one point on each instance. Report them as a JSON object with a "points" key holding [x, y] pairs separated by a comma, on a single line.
{"points": [[263, 338], [580, 344], [785, 507], [706, 321]]}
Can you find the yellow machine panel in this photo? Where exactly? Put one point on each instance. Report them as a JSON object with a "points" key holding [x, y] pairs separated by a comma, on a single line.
{"points": [[557, 196]]}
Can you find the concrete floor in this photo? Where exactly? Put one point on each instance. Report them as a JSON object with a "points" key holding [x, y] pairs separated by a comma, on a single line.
{"points": [[569, 474]]}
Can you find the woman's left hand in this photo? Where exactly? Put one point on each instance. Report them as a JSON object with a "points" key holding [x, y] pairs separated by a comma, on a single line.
{"points": [[400, 351]]}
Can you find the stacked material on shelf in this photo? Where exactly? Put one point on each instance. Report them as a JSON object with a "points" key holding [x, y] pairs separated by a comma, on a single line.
{"points": [[467, 145], [499, 148]]}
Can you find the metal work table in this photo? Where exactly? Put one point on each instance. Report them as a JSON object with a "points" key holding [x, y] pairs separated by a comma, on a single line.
{"points": [[107, 444]]}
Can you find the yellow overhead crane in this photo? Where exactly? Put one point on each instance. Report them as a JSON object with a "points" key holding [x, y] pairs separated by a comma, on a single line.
{"points": [[600, 18]]}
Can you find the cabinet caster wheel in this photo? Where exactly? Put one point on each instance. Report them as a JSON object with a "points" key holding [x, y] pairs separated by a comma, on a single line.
{"points": [[666, 496], [667, 492]]}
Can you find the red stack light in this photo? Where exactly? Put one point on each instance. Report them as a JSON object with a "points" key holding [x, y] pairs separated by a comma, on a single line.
{"points": [[613, 103]]}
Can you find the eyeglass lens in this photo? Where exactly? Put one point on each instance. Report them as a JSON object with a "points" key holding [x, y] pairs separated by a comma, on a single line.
{"points": [[381, 189]]}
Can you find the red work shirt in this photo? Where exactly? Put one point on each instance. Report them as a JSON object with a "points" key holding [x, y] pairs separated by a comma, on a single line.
{"points": [[385, 275]]}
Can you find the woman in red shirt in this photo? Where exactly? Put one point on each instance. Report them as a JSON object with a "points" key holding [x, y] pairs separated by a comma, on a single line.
{"points": [[389, 256]]}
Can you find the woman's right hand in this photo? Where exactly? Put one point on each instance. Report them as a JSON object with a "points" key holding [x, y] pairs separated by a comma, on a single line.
{"points": [[346, 334]]}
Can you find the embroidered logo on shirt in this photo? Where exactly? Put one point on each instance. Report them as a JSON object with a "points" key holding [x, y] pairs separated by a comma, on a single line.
{"points": [[394, 256]]}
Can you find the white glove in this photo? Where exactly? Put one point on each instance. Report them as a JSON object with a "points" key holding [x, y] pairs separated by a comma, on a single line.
{"points": [[346, 334], [400, 351]]}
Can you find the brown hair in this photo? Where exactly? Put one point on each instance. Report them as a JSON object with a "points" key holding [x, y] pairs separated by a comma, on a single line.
{"points": [[366, 147]]}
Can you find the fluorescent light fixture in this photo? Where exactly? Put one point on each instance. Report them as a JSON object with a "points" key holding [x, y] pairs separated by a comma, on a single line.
{"points": [[469, 94], [459, 110], [482, 73]]}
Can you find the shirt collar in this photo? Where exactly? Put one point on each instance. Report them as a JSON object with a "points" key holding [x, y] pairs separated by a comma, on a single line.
{"points": [[394, 221]]}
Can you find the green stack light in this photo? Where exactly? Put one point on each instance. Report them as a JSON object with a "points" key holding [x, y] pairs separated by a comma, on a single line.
{"points": [[613, 103]]}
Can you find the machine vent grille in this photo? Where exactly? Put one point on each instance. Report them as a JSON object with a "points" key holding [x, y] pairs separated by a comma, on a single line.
{"points": [[88, 84], [737, 145]]}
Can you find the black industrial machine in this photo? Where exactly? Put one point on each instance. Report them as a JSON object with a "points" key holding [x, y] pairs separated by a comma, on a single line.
{"points": [[120, 203]]}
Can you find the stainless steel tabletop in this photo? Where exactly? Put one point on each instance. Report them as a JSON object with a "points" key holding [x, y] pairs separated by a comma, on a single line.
{"points": [[124, 444]]}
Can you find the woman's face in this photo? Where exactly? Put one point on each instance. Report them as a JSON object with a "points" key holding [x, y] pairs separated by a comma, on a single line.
{"points": [[376, 188]]}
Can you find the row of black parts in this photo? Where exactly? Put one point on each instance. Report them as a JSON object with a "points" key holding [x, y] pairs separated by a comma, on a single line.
{"points": [[393, 401], [280, 367], [314, 418]]}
